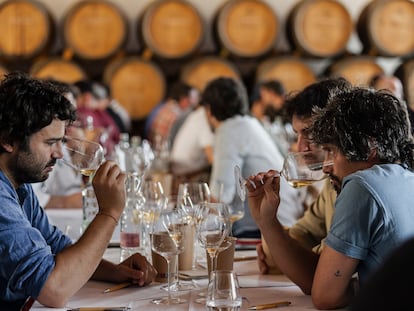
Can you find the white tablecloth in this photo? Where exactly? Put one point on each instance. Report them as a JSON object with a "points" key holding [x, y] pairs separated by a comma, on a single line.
{"points": [[254, 287], [70, 222]]}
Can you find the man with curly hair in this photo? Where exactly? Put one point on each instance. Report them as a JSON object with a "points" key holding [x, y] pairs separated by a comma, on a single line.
{"points": [[367, 136]]}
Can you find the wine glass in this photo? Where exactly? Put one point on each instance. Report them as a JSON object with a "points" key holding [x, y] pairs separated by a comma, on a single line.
{"points": [[82, 155], [154, 200], [213, 226], [190, 196], [299, 169], [167, 240]]}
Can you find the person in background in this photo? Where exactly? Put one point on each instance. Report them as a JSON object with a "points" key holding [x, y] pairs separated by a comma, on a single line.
{"points": [[239, 139], [163, 116], [97, 123], [370, 167], [62, 189], [267, 105], [192, 148], [37, 261], [120, 115], [311, 229], [395, 86]]}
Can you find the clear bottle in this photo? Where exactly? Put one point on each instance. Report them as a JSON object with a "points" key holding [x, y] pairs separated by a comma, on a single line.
{"points": [[131, 224], [89, 205]]}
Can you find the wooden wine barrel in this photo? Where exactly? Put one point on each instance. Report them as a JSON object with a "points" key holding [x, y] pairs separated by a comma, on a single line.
{"points": [[247, 28], [58, 69], [405, 72], [387, 28], [319, 28], [3, 71], [171, 28], [200, 71], [359, 70], [137, 84], [290, 70], [94, 29], [26, 29]]}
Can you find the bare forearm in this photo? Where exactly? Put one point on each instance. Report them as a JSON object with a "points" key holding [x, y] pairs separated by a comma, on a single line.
{"points": [[76, 264], [295, 261]]}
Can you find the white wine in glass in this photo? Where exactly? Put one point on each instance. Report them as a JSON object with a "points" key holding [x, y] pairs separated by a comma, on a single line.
{"points": [[82, 155], [299, 169]]}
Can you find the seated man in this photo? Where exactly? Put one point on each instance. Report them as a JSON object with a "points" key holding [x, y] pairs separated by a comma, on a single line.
{"points": [[240, 139], [36, 259], [311, 229], [366, 135]]}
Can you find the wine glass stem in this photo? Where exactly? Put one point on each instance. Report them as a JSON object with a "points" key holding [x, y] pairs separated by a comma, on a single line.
{"points": [[213, 262], [176, 277], [168, 278]]}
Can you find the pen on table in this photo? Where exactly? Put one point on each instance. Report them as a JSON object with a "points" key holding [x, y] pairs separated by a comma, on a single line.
{"points": [[117, 287], [270, 305], [245, 258], [100, 309]]}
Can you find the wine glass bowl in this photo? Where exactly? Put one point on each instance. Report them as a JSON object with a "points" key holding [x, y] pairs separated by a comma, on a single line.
{"points": [[299, 169], [213, 227], [304, 168], [82, 155]]}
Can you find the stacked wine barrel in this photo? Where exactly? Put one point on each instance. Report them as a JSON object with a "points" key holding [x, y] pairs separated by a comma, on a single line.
{"points": [[91, 41]]}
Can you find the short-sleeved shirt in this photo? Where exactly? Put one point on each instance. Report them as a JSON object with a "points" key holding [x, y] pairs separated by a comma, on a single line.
{"points": [[311, 229], [373, 215], [28, 244]]}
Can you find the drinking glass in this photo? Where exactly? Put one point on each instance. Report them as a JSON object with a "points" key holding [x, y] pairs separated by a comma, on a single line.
{"points": [[213, 226], [167, 239], [82, 155], [299, 169], [190, 196], [223, 291], [154, 201]]}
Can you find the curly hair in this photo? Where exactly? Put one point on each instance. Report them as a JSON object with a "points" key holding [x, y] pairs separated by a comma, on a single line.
{"points": [[314, 95], [27, 105], [226, 98], [360, 119]]}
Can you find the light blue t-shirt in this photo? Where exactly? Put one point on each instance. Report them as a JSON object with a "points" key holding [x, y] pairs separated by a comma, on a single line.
{"points": [[28, 243], [374, 214]]}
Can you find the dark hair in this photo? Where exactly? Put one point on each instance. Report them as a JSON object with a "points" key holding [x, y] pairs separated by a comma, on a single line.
{"points": [[360, 119], [226, 98], [275, 86], [314, 95], [178, 90], [27, 105]]}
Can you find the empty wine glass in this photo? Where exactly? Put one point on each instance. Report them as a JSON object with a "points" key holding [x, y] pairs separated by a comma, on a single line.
{"points": [[82, 155], [299, 169], [167, 240]]}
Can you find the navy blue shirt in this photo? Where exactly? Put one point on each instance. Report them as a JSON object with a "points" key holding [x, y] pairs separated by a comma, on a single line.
{"points": [[28, 243]]}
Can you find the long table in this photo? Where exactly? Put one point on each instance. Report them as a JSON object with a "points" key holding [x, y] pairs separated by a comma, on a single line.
{"points": [[254, 287]]}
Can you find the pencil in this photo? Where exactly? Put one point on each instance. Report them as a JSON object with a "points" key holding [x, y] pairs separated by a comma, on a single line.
{"points": [[117, 287], [270, 305]]}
